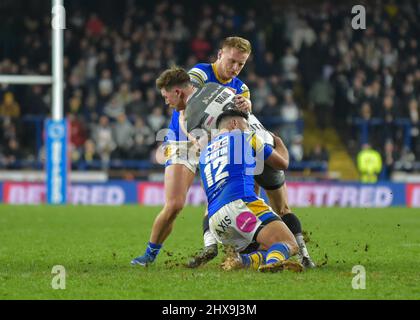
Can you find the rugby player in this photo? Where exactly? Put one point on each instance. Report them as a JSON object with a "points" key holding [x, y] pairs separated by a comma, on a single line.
{"points": [[180, 168], [237, 217], [232, 57]]}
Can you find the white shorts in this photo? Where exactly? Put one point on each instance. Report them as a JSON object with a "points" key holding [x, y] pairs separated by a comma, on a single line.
{"points": [[181, 152], [237, 223]]}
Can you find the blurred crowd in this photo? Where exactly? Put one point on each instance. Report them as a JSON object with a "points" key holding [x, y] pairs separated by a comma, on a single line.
{"points": [[110, 68], [367, 80], [305, 55]]}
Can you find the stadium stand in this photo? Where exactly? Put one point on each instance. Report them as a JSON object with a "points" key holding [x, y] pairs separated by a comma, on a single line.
{"points": [[308, 68]]}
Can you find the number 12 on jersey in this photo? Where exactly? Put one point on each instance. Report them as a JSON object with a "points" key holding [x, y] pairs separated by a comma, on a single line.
{"points": [[214, 170]]}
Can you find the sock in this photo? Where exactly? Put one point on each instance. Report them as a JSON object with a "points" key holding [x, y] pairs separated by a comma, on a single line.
{"points": [[303, 251], [277, 252], [153, 250], [254, 260], [293, 223], [209, 239]]}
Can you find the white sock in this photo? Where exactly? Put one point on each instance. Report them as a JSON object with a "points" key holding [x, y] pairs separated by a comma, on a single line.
{"points": [[303, 251], [209, 239]]}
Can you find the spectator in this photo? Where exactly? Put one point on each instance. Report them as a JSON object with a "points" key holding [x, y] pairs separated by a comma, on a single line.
{"points": [[289, 64], [104, 61], [78, 132], [260, 94], [200, 46], [94, 26], [289, 114], [390, 157], [105, 85], [137, 106], [366, 111], [156, 120], [91, 110], [103, 139], [369, 164], [318, 153], [89, 155], [114, 108], [75, 103], [123, 96], [414, 116], [296, 148], [12, 154], [271, 108], [321, 98], [373, 97], [406, 160], [389, 115], [35, 102], [8, 131], [144, 139], [268, 67], [9, 107], [123, 133]]}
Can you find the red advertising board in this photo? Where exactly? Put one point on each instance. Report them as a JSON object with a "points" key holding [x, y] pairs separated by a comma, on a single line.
{"points": [[413, 195]]}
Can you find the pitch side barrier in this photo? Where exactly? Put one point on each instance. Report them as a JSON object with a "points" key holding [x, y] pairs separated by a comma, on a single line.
{"points": [[301, 194]]}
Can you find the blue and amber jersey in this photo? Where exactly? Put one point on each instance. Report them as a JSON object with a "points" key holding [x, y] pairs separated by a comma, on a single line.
{"points": [[201, 74], [227, 168]]}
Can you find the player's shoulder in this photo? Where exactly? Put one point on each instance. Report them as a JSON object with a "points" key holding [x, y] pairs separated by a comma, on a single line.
{"points": [[202, 66], [200, 73], [254, 141], [202, 69]]}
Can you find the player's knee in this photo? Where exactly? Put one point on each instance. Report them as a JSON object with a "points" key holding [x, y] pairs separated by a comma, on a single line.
{"points": [[175, 205], [277, 237]]}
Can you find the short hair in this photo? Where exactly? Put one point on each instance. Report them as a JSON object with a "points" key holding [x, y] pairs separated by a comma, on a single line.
{"points": [[175, 76], [239, 43], [230, 113]]}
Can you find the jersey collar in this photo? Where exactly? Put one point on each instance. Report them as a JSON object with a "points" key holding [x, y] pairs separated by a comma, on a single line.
{"points": [[213, 65]]}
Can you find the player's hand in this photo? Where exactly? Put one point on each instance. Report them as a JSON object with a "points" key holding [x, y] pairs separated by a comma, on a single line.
{"points": [[242, 103]]}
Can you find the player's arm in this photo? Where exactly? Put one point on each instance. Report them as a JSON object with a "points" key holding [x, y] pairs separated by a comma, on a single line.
{"points": [[279, 158], [184, 128]]}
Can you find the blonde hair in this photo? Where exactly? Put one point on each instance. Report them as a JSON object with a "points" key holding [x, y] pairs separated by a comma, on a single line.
{"points": [[239, 43], [175, 76]]}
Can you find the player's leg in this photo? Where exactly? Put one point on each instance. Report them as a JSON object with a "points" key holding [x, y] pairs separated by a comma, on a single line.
{"points": [[210, 250], [280, 244], [253, 226], [178, 179], [273, 181], [279, 202]]}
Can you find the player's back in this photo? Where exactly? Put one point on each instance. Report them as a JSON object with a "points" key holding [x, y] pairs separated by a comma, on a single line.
{"points": [[226, 169]]}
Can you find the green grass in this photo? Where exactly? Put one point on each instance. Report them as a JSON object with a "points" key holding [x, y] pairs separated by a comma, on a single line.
{"points": [[96, 244]]}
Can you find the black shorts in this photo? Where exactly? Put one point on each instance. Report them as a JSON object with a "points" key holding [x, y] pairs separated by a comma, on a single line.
{"points": [[270, 179]]}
